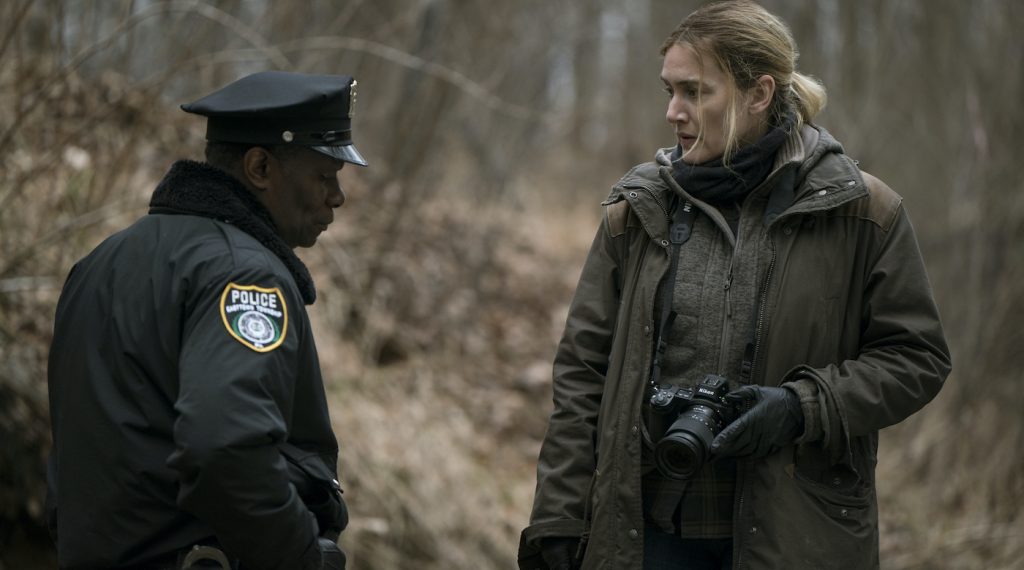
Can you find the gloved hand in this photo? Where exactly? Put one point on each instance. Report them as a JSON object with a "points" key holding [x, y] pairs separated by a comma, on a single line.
{"points": [[559, 552], [774, 421], [333, 557]]}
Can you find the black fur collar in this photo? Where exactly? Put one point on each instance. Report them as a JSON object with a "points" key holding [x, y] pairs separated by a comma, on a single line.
{"points": [[198, 189]]}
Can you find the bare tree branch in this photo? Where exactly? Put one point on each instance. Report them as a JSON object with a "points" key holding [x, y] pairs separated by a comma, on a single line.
{"points": [[408, 60], [14, 24], [87, 219], [189, 6]]}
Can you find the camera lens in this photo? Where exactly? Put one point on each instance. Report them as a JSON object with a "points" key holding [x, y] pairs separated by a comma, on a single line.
{"points": [[679, 456], [685, 447]]}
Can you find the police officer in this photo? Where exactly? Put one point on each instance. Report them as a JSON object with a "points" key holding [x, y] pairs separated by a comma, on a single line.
{"points": [[190, 424]]}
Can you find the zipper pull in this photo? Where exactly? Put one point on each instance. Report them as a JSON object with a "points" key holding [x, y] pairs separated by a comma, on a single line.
{"points": [[728, 304]]}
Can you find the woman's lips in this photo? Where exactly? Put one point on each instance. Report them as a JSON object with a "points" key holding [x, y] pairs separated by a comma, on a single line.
{"points": [[686, 141]]}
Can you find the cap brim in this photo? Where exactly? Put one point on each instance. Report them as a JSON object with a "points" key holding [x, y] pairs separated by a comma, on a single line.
{"points": [[347, 153]]}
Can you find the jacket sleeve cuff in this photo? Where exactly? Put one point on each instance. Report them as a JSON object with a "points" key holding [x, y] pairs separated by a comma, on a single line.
{"points": [[810, 405], [529, 542]]}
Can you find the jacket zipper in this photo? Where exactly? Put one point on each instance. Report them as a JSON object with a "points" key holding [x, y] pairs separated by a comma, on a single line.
{"points": [[737, 551], [740, 473], [760, 305], [727, 322], [638, 186], [657, 200]]}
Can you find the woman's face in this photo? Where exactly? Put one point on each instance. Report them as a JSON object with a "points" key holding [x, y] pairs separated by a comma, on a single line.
{"points": [[700, 100]]}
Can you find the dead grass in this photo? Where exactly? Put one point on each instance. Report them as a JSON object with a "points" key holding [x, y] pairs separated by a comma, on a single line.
{"points": [[951, 485], [438, 447]]}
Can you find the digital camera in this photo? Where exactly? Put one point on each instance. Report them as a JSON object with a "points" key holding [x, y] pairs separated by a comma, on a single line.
{"points": [[684, 422]]}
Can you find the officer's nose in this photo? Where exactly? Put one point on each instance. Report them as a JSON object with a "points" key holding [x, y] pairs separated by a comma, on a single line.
{"points": [[336, 197]]}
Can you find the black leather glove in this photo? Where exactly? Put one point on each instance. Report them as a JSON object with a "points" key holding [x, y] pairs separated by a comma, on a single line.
{"points": [[328, 506], [333, 557], [774, 421], [559, 552]]}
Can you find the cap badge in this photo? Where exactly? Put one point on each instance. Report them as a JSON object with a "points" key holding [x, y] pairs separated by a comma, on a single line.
{"points": [[352, 98], [288, 136]]}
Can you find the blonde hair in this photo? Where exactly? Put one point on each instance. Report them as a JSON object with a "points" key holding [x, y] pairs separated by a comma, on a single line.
{"points": [[747, 42]]}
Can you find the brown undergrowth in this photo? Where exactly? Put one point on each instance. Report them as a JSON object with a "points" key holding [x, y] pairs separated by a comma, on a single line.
{"points": [[436, 342], [437, 320]]}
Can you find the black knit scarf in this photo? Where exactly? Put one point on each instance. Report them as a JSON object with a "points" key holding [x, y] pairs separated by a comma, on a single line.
{"points": [[198, 189], [715, 183]]}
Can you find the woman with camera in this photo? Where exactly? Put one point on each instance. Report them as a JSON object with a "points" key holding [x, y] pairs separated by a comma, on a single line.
{"points": [[754, 308]]}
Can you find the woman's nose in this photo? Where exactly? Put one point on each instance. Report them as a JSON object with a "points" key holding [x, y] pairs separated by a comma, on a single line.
{"points": [[676, 112]]}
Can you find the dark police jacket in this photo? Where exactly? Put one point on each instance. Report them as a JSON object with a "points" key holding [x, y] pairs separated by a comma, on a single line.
{"points": [[185, 390]]}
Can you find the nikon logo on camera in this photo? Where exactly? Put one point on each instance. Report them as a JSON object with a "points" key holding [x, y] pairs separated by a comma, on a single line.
{"points": [[684, 422]]}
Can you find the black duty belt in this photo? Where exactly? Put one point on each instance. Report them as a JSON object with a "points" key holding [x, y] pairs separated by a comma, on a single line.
{"points": [[206, 557], [198, 557]]}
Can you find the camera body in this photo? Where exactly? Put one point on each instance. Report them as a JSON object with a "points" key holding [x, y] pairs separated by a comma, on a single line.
{"points": [[684, 422]]}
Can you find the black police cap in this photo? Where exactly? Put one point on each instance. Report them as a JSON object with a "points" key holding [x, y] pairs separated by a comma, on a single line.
{"points": [[283, 108]]}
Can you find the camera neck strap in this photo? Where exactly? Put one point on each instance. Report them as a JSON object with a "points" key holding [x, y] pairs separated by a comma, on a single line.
{"points": [[679, 232]]}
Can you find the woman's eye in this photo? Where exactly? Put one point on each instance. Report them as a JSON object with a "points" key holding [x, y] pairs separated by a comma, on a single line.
{"points": [[667, 89]]}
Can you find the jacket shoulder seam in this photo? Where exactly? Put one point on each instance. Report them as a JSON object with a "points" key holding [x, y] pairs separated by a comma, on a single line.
{"points": [[617, 216], [885, 202], [241, 254], [881, 205]]}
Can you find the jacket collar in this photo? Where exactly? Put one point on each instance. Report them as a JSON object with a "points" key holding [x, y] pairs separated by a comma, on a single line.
{"points": [[827, 178], [815, 175], [198, 189]]}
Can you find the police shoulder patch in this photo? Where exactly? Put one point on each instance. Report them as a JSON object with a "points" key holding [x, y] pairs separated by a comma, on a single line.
{"points": [[256, 316]]}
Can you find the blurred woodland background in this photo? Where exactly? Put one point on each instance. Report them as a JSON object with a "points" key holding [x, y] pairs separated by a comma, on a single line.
{"points": [[494, 130]]}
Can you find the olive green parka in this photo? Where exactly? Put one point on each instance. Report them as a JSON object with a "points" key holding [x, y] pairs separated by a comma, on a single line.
{"points": [[845, 316]]}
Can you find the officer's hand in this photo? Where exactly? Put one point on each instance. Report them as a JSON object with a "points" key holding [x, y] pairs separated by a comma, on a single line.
{"points": [[774, 421], [559, 552], [333, 557]]}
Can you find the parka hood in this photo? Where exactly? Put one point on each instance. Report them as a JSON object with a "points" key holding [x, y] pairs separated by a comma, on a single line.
{"points": [[807, 147], [821, 177]]}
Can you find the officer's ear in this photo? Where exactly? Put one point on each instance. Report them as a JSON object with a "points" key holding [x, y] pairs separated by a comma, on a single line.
{"points": [[258, 167]]}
